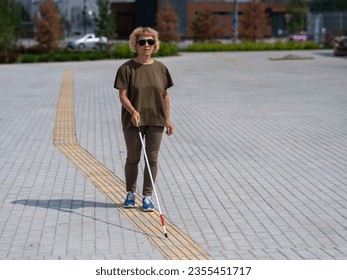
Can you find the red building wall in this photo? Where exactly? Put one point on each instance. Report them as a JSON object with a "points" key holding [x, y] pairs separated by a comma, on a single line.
{"points": [[126, 16], [224, 12]]}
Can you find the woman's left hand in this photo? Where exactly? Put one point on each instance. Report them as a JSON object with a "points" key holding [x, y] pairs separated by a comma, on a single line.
{"points": [[169, 127]]}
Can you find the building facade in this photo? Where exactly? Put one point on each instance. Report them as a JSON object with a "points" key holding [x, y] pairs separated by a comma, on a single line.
{"points": [[80, 14], [130, 14]]}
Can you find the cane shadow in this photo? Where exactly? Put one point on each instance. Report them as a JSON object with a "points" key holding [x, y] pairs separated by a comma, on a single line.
{"points": [[69, 205]]}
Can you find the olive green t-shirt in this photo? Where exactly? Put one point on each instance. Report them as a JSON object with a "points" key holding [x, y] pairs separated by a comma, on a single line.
{"points": [[145, 85]]}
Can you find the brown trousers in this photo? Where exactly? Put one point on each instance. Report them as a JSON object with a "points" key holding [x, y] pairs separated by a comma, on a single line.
{"points": [[152, 136]]}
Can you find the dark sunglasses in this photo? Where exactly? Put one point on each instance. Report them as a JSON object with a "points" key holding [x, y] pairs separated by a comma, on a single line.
{"points": [[142, 42]]}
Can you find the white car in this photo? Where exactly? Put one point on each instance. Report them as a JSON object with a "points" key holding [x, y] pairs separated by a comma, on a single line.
{"points": [[88, 41]]}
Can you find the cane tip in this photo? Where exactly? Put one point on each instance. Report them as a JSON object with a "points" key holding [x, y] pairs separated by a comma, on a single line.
{"points": [[166, 235]]}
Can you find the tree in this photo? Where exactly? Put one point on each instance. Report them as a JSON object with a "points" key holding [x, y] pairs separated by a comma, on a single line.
{"points": [[328, 5], [10, 23], [48, 27], [167, 23], [297, 11], [106, 23], [254, 21], [205, 26]]}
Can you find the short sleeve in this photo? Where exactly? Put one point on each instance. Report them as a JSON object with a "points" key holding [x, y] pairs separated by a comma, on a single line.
{"points": [[122, 78], [168, 83]]}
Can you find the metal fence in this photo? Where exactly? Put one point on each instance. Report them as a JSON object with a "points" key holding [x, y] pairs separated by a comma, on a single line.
{"points": [[325, 25]]}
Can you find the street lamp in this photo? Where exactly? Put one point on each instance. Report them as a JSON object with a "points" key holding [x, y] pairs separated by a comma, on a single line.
{"points": [[84, 17], [235, 21]]}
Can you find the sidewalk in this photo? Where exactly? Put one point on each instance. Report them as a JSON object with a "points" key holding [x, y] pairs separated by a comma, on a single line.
{"points": [[256, 169]]}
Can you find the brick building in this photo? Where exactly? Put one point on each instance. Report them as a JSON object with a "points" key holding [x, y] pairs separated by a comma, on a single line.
{"points": [[131, 13]]}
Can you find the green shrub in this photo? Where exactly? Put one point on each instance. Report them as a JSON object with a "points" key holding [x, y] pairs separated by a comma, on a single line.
{"points": [[251, 46], [122, 51], [64, 56], [119, 51], [10, 55], [167, 49], [28, 58]]}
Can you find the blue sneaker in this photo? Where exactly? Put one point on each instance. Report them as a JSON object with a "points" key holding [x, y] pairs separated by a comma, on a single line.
{"points": [[129, 200], [147, 204]]}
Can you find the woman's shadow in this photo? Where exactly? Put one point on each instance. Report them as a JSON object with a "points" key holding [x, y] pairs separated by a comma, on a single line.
{"points": [[69, 205]]}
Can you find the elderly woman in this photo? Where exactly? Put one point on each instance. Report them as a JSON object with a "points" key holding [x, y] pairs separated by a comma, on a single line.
{"points": [[142, 83]]}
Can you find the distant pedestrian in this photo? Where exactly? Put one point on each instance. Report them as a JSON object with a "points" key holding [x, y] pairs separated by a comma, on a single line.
{"points": [[142, 83]]}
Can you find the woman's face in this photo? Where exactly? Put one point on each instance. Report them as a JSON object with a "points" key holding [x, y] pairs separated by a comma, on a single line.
{"points": [[145, 45]]}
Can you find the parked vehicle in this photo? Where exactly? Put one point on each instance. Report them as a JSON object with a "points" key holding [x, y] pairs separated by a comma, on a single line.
{"points": [[340, 46], [88, 41], [301, 37]]}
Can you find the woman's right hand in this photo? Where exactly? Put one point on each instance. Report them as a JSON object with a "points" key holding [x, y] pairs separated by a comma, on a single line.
{"points": [[135, 118]]}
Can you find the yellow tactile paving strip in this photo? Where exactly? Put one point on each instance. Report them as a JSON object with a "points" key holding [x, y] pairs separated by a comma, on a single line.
{"points": [[179, 245]]}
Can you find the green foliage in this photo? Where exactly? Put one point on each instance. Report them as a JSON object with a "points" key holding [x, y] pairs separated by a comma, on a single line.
{"points": [[167, 49], [328, 5], [119, 51], [297, 11], [106, 24], [64, 56], [10, 23], [251, 46], [122, 51]]}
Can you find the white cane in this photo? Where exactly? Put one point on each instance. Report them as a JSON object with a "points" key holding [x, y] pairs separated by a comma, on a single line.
{"points": [[152, 181]]}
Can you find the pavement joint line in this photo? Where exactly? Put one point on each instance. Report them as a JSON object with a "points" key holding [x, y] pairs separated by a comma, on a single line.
{"points": [[178, 245]]}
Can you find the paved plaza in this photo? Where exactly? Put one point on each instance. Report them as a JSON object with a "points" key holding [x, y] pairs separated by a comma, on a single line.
{"points": [[256, 168]]}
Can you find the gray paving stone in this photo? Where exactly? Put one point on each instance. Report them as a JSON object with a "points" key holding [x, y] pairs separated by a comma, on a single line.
{"points": [[256, 168]]}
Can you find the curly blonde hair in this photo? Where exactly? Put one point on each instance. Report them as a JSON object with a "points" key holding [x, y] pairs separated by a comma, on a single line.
{"points": [[143, 32]]}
